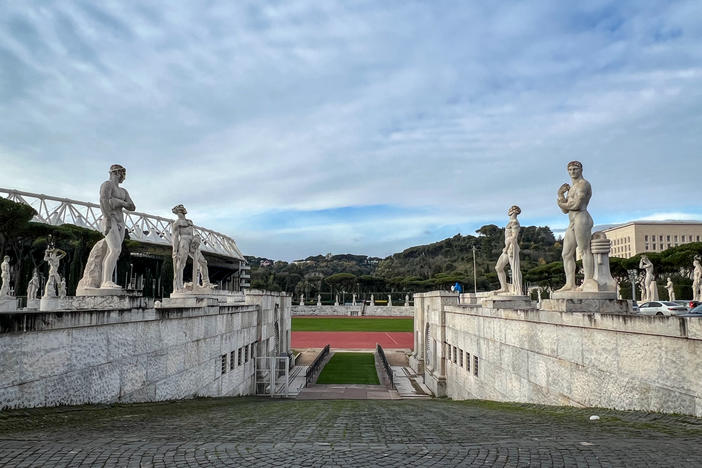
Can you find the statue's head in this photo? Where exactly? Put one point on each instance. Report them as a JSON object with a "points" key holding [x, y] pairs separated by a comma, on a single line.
{"points": [[6, 258], [514, 209], [575, 169], [119, 170], [179, 209]]}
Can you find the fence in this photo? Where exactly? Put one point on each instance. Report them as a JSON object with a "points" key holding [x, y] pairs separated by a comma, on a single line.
{"points": [[317, 362], [386, 366]]}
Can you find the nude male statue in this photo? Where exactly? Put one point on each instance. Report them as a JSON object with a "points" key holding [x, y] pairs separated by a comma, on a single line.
{"points": [[113, 199], [5, 276], [510, 256], [573, 200], [53, 257]]}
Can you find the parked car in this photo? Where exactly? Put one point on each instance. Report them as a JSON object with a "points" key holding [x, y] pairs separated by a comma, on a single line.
{"points": [[696, 312], [661, 308], [687, 303]]}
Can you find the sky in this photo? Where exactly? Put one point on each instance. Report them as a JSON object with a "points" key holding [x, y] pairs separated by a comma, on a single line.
{"points": [[304, 127]]}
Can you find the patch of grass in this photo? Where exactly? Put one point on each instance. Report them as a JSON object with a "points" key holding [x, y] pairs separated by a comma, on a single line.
{"points": [[352, 324], [350, 368]]}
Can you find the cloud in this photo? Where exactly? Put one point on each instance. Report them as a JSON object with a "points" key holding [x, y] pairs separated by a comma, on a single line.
{"points": [[243, 111]]}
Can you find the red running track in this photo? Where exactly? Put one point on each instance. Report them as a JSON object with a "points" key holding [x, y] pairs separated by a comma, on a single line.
{"points": [[352, 340]]}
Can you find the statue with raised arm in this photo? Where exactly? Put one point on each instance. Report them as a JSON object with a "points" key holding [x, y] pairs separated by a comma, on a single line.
{"points": [[671, 290], [650, 285], [53, 257], [182, 233], [33, 286], [5, 276], [510, 256], [697, 279], [100, 268], [573, 200]]}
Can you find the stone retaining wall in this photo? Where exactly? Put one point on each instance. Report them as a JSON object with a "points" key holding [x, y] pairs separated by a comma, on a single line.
{"points": [[138, 354], [628, 362], [353, 311]]}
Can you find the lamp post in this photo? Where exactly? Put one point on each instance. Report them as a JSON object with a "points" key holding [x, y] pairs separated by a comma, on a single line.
{"points": [[475, 274], [632, 278]]}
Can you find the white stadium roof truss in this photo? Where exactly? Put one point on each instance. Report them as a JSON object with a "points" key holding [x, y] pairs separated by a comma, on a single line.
{"points": [[142, 227]]}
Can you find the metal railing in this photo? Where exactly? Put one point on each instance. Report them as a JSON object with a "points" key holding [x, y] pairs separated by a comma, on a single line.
{"points": [[314, 367], [142, 227], [386, 366]]}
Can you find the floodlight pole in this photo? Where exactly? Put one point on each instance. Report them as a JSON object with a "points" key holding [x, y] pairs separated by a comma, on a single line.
{"points": [[475, 274]]}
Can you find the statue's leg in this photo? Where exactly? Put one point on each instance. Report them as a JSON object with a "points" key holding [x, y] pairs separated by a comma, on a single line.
{"points": [[501, 275], [583, 237], [568, 257], [113, 239]]}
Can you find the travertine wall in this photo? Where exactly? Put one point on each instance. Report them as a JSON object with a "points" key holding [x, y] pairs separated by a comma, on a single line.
{"points": [[139, 353], [353, 311], [628, 362]]}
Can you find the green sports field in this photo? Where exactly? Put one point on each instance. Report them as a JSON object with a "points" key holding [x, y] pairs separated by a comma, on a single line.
{"points": [[352, 324], [350, 368]]}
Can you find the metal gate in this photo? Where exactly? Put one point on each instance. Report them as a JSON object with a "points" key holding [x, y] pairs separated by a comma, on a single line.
{"points": [[272, 376]]}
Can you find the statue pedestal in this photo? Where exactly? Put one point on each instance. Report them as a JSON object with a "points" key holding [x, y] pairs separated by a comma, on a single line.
{"points": [[8, 304], [33, 304], [472, 298], [104, 292], [202, 298], [603, 302], [507, 301], [48, 304]]}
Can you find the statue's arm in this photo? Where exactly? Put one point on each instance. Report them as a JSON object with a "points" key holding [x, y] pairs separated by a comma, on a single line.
{"points": [[128, 204], [175, 238]]}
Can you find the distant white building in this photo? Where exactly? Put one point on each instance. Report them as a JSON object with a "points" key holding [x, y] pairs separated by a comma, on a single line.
{"points": [[636, 237]]}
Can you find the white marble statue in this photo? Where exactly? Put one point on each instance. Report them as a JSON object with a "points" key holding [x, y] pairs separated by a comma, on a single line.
{"points": [[62, 288], [573, 200], [201, 275], [102, 260], [302, 299], [182, 234], [406, 300], [372, 300], [642, 289], [650, 285], [319, 299], [510, 256], [389, 299], [53, 257], [697, 279], [353, 302], [33, 286], [619, 290], [671, 289], [336, 300], [5, 276]]}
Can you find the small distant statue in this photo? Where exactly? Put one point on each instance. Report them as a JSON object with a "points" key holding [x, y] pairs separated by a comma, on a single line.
{"points": [[53, 257], [62, 288], [302, 299], [5, 276], [319, 299], [354, 299], [336, 300], [642, 289], [33, 286], [103, 257], [650, 285], [573, 200], [182, 234], [619, 290], [671, 290], [696, 279], [372, 300], [406, 300], [389, 299], [510, 256]]}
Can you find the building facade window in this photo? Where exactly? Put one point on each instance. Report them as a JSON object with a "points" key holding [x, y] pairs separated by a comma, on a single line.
{"points": [[475, 366], [224, 363]]}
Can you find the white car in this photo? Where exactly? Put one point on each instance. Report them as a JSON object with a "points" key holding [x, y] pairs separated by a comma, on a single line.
{"points": [[661, 308]]}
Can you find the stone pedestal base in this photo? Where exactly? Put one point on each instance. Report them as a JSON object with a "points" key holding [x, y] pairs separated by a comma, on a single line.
{"points": [[504, 301], [48, 304], [472, 298], [81, 292], [202, 298], [8, 304], [587, 302], [33, 304], [416, 364]]}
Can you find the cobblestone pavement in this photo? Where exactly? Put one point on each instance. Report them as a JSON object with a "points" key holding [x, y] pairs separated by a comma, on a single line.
{"points": [[253, 432]]}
